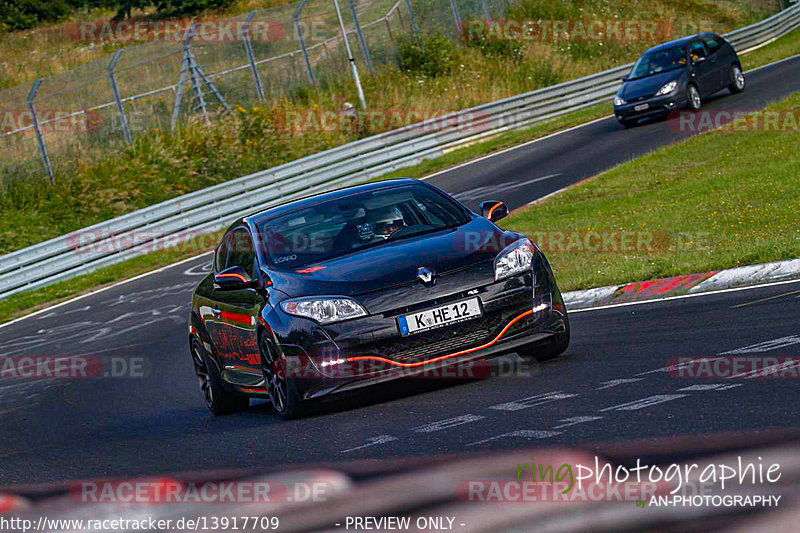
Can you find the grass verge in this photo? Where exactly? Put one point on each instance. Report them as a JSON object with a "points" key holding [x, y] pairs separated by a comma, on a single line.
{"points": [[569, 269]]}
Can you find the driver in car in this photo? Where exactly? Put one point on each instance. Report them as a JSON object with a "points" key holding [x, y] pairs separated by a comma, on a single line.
{"points": [[386, 221]]}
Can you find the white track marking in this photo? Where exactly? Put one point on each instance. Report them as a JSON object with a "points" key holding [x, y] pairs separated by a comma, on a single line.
{"points": [[532, 401], [79, 310], [521, 433], [516, 147], [447, 423], [575, 420], [771, 370], [766, 346], [616, 382], [474, 194], [372, 441], [760, 347], [710, 387], [643, 403]]}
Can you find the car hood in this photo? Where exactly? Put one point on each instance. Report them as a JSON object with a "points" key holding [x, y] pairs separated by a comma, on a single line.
{"points": [[648, 86], [396, 263]]}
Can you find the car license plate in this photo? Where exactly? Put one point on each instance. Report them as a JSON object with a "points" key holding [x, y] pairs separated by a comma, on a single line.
{"points": [[641, 107], [439, 316]]}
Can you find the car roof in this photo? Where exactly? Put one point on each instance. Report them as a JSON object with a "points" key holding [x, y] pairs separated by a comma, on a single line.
{"points": [[310, 201], [682, 40]]}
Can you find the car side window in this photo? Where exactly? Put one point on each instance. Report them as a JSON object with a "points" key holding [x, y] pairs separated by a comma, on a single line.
{"points": [[697, 50], [242, 253], [713, 44], [221, 255]]}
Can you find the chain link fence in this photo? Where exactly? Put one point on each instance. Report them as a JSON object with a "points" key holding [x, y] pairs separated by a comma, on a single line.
{"points": [[203, 69]]}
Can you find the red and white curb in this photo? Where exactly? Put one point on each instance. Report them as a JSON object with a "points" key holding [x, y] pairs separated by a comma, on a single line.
{"points": [[715, 280]]}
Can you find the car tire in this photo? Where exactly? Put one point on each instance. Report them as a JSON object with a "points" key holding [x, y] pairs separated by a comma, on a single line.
{"points": [[627, 123], [738, 82], [219, 400], [283, 391], [693, 100], [550, 348]]}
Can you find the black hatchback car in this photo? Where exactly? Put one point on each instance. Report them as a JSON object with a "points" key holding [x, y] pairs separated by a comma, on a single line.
{"points": [[677, 75], [362, 285]]}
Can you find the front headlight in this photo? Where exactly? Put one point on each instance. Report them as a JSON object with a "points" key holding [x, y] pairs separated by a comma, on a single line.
{"points": [[514, 259], [667, 88], [324, 309], [619, 101]]}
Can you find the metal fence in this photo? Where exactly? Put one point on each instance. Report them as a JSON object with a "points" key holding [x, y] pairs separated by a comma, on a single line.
{"points": [[203, 69], [209, 209]]}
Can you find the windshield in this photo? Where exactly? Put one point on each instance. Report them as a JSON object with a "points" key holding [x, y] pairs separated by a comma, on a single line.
{"points": [[342, 226], [659, 61]]}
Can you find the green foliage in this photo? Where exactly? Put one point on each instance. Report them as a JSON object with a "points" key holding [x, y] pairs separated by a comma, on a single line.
{"points": [[490, 46], [24, 14], [431, 55], [188, 7], [538, 73], [165, 8]]}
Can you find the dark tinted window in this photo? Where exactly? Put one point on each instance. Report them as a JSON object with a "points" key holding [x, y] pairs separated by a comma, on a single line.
{"points": [[242, 253], [713, 44], [659, 61], [339, 227], [221, 255], [697, 49]]}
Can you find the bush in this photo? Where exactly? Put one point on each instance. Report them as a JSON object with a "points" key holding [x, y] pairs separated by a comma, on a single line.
{"points": [[24, 14], [488, 45], [188, 7], [431, 55]]}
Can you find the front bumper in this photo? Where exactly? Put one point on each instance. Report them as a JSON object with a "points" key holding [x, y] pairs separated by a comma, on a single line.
{"points": [[361, 352], [657, 106]]}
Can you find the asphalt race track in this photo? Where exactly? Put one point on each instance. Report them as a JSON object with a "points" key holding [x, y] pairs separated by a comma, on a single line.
{"points": [[610, 387]]}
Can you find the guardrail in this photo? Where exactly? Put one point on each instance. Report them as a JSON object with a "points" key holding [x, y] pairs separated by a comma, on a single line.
{"points": [[119, 238]]}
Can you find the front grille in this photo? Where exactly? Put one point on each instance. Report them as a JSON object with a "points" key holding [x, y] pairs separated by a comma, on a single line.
{"points": [[440, 341]]}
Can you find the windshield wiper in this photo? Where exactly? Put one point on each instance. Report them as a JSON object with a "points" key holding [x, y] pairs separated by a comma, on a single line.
{"points": [[423, 232]]}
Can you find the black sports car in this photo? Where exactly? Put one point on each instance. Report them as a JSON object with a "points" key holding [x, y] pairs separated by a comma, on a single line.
{"points": [[363, 285], [677, 75]]}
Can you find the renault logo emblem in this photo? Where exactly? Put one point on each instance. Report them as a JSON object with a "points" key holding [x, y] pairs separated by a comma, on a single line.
{"points": [[425, 274]]}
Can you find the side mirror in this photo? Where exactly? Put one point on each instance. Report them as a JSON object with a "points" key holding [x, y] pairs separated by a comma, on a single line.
{"points": [[494, 210], [234, 278], [624, 78]]}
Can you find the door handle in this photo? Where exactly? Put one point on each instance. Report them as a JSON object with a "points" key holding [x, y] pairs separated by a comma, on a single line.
{"points": [[217, 312]]}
